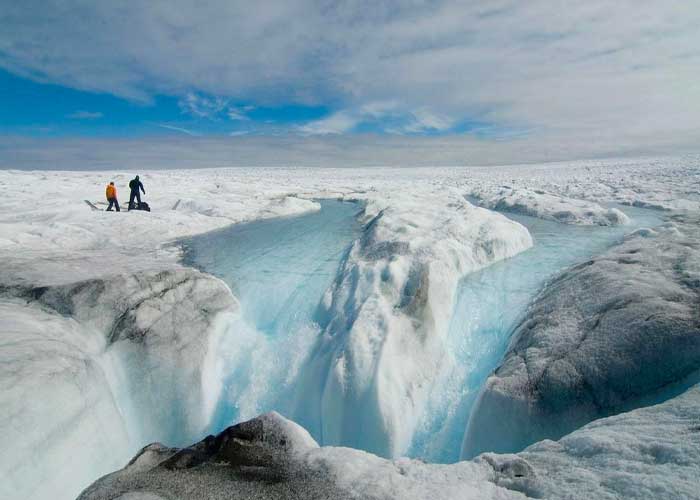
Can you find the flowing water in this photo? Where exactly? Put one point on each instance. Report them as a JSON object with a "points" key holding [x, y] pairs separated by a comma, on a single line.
{"points": [[489, 303], [280, 268]]}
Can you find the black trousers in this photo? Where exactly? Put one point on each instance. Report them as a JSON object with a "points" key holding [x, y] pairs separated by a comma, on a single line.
{"points": [[113, 202], [134, 194]]}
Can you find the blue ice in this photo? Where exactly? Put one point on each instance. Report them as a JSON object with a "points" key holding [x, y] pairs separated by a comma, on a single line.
{"points": [[489, 303], [280, 268]]}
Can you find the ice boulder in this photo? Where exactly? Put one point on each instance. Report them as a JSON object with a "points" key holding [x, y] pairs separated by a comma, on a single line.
{"points": [[386, 317], [548, 206], [651, 452], [271, 457], [617, 332]]}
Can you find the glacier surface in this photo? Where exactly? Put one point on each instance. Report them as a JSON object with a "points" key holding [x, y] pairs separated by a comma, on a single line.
{"points": [[615, 332], [384, 336]]}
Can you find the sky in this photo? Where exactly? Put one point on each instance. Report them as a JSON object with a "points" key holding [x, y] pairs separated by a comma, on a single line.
{"points": [[162, 83]]}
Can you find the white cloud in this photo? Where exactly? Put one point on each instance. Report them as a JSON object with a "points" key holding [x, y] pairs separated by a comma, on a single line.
{"points": [[203, 107], [178, 129], [85, 115], [337, 123], [212, 107], [582, 71], [237, 114], [386, 116]]}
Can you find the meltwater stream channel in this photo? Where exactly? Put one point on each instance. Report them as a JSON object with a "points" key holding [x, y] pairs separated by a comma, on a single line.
{"points": [[280, 268]]}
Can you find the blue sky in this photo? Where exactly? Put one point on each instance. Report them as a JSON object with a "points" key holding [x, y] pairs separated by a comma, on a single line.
{"points": [[48, 110], [523, 80]]}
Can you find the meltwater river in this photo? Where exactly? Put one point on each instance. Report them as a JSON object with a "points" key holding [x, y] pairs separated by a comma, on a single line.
{"points": [[280, 268]]}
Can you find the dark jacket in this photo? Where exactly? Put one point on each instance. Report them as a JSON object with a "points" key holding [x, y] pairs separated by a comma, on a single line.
{"points": [[135, 185]]}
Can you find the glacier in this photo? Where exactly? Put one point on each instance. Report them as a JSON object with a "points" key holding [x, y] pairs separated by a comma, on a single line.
{"points": [[111, 341], [615, 332], [652, 452], [108, 363], [489, 304]]}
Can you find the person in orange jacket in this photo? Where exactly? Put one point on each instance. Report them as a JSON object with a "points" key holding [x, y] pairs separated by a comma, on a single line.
{"points": [[111, 193]]}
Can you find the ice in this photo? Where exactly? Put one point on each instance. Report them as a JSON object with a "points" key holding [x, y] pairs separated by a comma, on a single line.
{"points": [[646, 453], [488, 305], [104, 364], [652, 452], [385, 319], [548, 206], [616, 332], [58, 415], [277, 357], [271, 457], [279, 270], [365, 376]]}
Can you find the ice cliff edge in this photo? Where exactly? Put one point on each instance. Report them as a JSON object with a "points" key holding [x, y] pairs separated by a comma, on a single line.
{"points": [[617, 332]]}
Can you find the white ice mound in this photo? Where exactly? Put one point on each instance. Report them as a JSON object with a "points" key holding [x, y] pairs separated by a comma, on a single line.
{"points": [[548, 206], [97, 368], [271, 457], [651, 452], [610, 334], [386, 317], [647, 453]]}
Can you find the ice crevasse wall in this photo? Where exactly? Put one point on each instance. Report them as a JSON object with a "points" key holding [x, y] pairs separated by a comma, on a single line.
{"points": [[95, 369], [385, 318]]}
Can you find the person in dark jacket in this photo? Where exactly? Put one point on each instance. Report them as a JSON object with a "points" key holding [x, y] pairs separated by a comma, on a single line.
{"points": [[135, 185]]}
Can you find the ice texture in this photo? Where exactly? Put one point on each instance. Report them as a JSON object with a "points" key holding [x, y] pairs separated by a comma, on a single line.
{"points": [[49, 237], [651, 452], [615, 332], [271, 457], [60, 425], [538, 203], [647, 453], [385, 318], [113, 362]]}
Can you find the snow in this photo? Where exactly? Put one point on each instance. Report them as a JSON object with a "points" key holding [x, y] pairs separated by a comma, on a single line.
{"points": [[385, 319], [612, 333], [548, 206]]}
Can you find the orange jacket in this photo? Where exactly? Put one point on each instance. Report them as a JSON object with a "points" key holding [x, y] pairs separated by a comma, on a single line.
{"points": [[111, 191]]}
